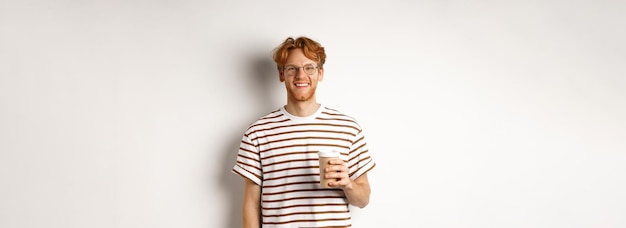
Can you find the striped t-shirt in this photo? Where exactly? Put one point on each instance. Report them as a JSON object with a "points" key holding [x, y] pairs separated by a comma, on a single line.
{"points": [[279, 153]]}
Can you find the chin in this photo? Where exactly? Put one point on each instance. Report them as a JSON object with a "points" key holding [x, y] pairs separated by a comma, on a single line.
{"points": [[301, 97]]}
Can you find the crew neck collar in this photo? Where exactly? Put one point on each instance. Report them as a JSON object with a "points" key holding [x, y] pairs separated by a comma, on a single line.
{"points": [[302, 118]]}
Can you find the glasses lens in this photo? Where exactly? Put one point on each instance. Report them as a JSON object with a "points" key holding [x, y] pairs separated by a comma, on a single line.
{"points": [[290, 70], [309, 69]]}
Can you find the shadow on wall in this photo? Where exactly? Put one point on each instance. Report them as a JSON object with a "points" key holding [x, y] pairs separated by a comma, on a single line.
{"points": [[262, 80]]}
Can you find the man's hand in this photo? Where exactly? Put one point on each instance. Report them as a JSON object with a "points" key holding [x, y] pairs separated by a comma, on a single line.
{"points": [[337, 172], [357, 191]]}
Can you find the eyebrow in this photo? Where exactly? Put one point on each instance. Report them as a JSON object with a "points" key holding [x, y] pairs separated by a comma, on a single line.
{"points": [[287, 64]]}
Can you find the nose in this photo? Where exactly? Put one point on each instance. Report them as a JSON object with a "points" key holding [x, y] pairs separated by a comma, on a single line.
{"points": [[300, 71]]}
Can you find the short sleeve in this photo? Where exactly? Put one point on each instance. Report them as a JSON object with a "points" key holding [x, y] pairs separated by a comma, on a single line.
{"points": [[359, 158], [248, 163]]}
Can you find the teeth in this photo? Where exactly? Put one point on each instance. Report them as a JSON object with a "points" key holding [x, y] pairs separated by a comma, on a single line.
{"points": [[302, 84]]}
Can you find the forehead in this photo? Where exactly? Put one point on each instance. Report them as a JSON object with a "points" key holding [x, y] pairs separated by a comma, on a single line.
{"points": [[296, 57]]}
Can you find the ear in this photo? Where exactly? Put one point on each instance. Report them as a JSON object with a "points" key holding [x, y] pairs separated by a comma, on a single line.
{"points": [[321, 74], [281, 76]]}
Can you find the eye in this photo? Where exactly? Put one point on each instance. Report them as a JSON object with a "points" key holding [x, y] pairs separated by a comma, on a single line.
{"points": [[290, 68], [309, 68]]}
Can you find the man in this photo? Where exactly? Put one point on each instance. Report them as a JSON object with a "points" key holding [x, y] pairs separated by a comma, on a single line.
{"points": [[278, 153]]}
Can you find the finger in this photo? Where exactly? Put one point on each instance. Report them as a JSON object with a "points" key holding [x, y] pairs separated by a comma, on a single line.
{"points": [[334, 168], [339, 175], [338, 183], [336, 162], [336, 175], [332, 175], [341, 168]]}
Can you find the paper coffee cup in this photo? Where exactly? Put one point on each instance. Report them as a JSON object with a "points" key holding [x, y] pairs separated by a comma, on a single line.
{"points": [[324, 157]]}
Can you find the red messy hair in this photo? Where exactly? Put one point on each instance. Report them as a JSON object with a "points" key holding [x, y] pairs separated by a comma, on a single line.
{"points": [[312, 50]]}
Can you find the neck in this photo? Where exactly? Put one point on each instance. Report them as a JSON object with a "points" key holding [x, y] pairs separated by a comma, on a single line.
{"points": [[302, 108]]}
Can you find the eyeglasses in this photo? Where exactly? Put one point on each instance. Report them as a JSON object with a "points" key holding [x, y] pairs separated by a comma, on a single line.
{"points": [[291, 70]]}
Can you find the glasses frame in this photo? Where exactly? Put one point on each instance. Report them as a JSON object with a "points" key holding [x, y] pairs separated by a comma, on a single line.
{"points": [[297, 69]]}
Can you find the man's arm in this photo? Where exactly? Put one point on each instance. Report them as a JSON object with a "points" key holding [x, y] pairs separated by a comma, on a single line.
{"points": [[251, 204], [357, 191]]}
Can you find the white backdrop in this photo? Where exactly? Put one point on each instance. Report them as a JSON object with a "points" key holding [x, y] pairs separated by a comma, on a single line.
{"points": [[479, 113]]}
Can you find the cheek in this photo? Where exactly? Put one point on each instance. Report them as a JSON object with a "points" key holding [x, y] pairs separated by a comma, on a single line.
{"points": [[320, 77]]}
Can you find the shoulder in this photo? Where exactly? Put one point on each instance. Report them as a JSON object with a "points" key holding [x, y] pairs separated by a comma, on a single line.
{"points": [[275, 116], [333, 114]]}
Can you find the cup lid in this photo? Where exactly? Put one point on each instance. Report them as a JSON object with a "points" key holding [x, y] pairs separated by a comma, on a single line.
{"points": [[328, 153]]}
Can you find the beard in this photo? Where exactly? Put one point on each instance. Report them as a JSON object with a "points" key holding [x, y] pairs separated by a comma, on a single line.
{"points": [[300, 95]]}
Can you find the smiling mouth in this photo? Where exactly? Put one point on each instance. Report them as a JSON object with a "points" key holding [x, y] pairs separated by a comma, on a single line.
{"points": [[301, 84]]}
